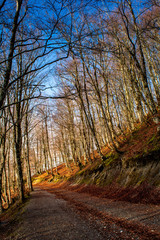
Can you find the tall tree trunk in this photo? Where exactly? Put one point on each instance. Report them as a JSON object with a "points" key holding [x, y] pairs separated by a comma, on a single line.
{"points": [[29, 179], [48, 145], [142, 68], [3, 90], [18, 151], [2, 155]]}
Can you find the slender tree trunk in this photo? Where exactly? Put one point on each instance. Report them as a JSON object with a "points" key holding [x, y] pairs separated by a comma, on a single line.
{"points": [[18, 151], [9, 171], [2, 160], [142, 68], [48, 145], [5, 190], [3, 90], [29, 179], [2, 164]]}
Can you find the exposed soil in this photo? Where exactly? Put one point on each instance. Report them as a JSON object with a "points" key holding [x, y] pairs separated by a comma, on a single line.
{"points": [[57, 213]]}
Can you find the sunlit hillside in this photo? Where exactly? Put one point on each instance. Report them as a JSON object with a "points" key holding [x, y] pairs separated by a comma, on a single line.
{"points": [[132, 175]]}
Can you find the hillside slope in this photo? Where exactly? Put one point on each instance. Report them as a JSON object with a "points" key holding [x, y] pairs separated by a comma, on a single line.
{"points": [[132, 176]]}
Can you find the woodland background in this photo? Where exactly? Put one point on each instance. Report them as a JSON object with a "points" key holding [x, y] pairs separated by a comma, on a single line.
{"points": [[75, 76]]}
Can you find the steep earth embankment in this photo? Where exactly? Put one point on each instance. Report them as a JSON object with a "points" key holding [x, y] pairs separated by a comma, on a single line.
{"points": [[133, 175]]}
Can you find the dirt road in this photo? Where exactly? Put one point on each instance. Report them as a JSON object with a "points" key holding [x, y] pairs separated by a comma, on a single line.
{"points": [[59, 214]]}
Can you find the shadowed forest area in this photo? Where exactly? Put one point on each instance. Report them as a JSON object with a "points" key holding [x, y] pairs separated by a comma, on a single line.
{"points": [[79, 91]]}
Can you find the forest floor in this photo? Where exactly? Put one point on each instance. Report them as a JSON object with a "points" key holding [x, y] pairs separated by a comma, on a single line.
{"points": [[53, 212]]}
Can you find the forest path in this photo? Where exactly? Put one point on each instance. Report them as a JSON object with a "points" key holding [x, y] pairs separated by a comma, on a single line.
{"points": [[59, 214], [46, 217]]}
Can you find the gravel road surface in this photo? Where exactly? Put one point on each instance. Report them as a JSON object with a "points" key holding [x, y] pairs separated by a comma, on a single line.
{"points": [[61, 215]]}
